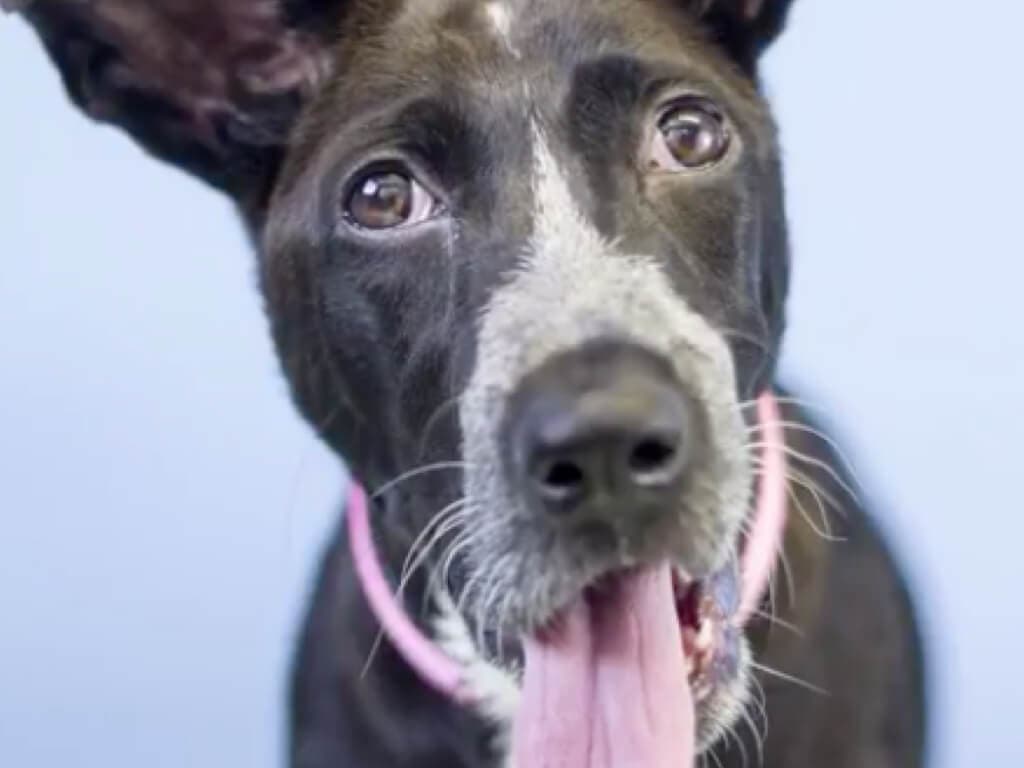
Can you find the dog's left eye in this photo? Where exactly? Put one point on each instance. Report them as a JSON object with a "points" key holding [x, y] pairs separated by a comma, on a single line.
{"points": [[388, 199], [689, 135]]}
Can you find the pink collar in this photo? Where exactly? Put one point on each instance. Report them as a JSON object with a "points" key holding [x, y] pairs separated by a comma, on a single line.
{"points": [[444, 674]]}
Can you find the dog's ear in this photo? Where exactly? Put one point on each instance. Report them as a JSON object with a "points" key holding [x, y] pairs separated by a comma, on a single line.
{"points": [[744, 27], [212, 86]]}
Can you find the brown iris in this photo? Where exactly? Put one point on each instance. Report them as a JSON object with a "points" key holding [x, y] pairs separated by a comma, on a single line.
{"points": [[382, 200], [694, 135]]}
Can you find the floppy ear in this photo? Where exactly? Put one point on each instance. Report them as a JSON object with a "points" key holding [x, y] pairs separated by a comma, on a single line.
{"points": [[212, 86], [744, 27]]}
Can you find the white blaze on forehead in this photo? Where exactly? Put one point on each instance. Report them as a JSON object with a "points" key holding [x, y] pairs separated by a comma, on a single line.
{"points": [[501, 21], [557, 217]]}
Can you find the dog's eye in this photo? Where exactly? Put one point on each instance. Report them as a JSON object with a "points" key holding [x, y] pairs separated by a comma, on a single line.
{"points": [[388, 199], [690, 134]]}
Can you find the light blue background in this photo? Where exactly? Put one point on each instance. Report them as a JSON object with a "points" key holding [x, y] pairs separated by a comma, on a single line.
{"points": [[161, 506]]}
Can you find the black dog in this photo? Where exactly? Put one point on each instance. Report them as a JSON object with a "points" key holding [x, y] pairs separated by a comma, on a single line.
{"points": [[525, 264]]}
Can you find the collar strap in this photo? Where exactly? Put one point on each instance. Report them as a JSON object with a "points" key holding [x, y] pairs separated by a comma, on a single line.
{"points": [[444, 674]]}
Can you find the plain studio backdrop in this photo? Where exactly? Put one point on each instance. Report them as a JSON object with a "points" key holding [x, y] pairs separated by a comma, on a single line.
{"points": [[162, 507]]}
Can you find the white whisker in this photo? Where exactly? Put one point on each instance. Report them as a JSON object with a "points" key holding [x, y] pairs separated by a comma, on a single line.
{"points": [[756, 734], [787, 574], [789, 679], [810, 460], [828, 440], [744, 756], [776, 621], [453, 514], [760, 700], [824, 531], [418, 471], [809, 482], [443, 521]]}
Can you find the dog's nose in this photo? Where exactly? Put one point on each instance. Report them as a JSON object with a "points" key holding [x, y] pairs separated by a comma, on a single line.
{"points": [[600, 431]]}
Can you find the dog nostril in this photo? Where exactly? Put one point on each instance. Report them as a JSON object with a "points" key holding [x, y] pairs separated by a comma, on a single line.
{"points": [[562, 480], [652, 460]]}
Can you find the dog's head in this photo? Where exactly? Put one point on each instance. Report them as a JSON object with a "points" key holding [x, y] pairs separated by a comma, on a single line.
{"points": [[528, 256]]}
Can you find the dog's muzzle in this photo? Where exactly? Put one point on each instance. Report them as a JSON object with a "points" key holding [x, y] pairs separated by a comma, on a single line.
{"points": [[764, 536], [447, 674]]}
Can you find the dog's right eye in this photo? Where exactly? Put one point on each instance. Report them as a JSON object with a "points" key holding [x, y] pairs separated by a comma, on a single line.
{"points": [[388, 199], [689, 135]]}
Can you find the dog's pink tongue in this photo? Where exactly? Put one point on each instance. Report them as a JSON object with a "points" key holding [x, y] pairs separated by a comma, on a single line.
{"points": [[609, 688]]}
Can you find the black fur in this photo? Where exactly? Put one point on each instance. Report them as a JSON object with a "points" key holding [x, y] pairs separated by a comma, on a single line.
{"points": [[377, 337]]}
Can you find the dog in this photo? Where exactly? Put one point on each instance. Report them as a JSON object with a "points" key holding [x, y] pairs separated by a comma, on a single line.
{"points": [[525, 265]]}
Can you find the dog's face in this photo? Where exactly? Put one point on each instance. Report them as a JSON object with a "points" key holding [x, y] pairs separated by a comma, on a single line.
{"points": [[538, 244], [528, 257]]}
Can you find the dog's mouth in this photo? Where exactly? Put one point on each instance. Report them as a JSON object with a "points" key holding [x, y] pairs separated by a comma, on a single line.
{"points": [[645, 646], [705, 610]]}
